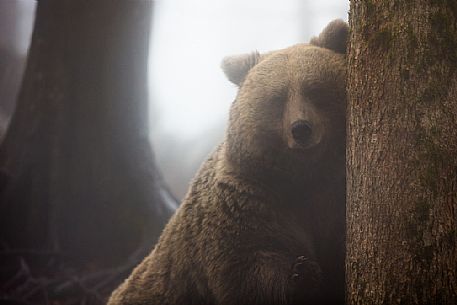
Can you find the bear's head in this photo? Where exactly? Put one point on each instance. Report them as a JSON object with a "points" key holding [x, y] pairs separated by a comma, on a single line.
{"points": [[288, 120]]}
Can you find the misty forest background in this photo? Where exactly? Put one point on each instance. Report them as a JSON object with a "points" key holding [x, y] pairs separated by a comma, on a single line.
{"points": [[120, 103], [186, 36], [109, 108]]}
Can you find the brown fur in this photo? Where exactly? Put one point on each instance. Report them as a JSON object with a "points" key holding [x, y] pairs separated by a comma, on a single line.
{"points": [[261, 201]]}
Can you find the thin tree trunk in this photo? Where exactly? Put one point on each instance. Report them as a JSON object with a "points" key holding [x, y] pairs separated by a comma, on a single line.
{"points": [[402, 153], [81, 182]]}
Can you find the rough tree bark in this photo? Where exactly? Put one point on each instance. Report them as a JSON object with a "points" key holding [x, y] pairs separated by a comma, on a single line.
{"points": [[402, 153], [82, 195]]}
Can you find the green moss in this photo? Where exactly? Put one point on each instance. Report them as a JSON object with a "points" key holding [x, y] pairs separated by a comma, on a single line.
{"points": [[412, 39], [426, 255], [433, 92], [428, 55], [430, 180], [432, 159], [416, 229], [434, 131], [404, 73], [370, 8], [445, 34], [381, 40], [449, 238], [449, 5], [422, 210], [438, 55], [411, 231]]}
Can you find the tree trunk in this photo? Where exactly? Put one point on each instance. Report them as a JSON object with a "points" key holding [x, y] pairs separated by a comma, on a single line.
{"points": [[15, 28], [81, 189], [402, 153]]}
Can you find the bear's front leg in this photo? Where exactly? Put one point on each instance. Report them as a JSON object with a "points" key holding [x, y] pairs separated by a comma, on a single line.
{"points": [[306, 280], [267, 278]]}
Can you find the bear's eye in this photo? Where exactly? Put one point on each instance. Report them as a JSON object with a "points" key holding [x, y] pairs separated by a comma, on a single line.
{"points": [[301, 132], [278, 97]]}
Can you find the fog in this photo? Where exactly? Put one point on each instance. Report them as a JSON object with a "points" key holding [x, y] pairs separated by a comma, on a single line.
{"points": [[189, 93]]}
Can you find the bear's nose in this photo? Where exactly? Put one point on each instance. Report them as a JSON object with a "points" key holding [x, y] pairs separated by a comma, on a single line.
{"points": [[301, 132]]}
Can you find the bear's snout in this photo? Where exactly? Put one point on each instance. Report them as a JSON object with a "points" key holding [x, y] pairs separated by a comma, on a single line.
{"points": [[301, 132]]}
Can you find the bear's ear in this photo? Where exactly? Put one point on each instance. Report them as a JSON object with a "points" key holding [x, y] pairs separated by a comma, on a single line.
{"points": [[236, 67], [333, 37]]}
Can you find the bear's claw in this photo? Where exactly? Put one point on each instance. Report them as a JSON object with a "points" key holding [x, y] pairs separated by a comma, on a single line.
{"points": [[306, 274]]}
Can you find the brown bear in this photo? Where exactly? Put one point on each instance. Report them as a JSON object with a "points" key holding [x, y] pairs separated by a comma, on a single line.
{"points": [[263, 221]]}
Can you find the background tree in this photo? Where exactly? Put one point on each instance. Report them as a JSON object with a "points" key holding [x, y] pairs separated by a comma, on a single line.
{"points": [[14, 33], [402, 153], [81, 201]]}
